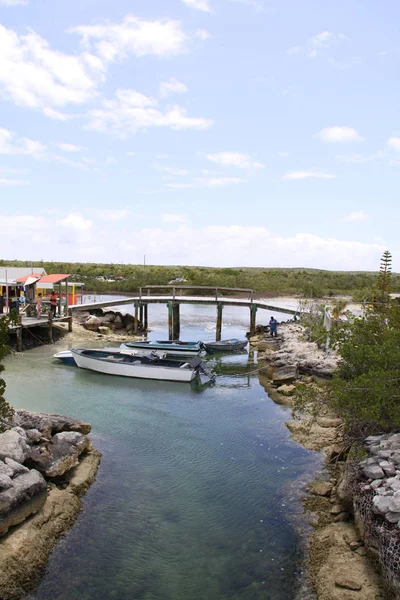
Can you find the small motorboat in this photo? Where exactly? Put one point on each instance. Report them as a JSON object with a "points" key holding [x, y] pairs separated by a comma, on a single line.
{"points": [[142, 367], [225, 345], [172, 348], [66, 356]]}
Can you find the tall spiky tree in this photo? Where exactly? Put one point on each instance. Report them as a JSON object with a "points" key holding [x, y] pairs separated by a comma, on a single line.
{"points": [[384, 279]]}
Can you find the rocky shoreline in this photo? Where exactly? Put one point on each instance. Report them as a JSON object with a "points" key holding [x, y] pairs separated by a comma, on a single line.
{"points": [[47, 463], [345, 561]]}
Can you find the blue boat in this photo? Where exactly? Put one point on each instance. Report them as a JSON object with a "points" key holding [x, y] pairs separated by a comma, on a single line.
{"points": [[172, 348]]}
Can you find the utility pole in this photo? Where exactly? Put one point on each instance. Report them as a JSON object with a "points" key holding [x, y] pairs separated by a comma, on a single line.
{"points": [[144, 260]]}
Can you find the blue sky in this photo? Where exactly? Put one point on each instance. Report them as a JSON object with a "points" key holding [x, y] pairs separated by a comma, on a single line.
{"points": [[214, 132]]}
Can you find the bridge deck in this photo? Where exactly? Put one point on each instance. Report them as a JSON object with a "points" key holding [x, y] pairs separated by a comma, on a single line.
{"points": [[185, 300]]}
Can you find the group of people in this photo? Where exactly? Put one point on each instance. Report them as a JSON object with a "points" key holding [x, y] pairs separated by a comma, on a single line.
{"points": [[53, 304]]}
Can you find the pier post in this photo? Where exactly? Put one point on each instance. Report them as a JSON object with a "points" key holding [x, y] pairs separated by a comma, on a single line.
{"points": [[135, 323], [146, 316], [219, 322], [141, 314], [253, 311], [176, 321], [70, 320], [170, 321], [19, 339], [50, 326]]}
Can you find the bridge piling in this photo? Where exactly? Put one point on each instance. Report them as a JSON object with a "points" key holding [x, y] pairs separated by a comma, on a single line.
{"points": [[176, 320], [170, 321], [219, 322], [253, 312], [136, 321], [146, 316]]}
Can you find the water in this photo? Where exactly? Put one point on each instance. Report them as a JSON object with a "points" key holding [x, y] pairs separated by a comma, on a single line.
{"points": [[194, 495]]}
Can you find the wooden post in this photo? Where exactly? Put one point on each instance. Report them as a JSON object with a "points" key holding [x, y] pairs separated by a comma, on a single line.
{"points": [[176, 321], [50, 326], [170, 321], [19, 339], [253, 311], [70, 320], [141, 314], [135, 324], [146, 315], [219, 322]]}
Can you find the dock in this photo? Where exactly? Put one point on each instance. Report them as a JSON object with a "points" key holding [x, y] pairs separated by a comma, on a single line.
{"points": [[27, 323], [216, 296]]}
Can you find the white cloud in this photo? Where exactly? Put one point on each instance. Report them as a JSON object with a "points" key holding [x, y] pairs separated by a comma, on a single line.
{"points": [[257, 4], [394, 144], [35, 76], [116, 41], [180, 186], [284, 154], [130, 111], [10, 143], [359, 215], [68, 147], [113, 214], [172, 86], [198, 5], [12, 182], [74, 236], [339, 134], [202, 34], [170, 170], [235, 159], [13, 2], [308, 174], [207, 182], [318, 42], [360, 158], [57, 115], [172, 218]]}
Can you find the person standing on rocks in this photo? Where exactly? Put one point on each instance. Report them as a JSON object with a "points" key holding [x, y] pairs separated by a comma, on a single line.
{"points": [[273, 327]]}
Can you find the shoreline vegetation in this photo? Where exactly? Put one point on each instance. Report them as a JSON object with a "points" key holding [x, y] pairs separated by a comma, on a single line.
{"points": [[127, 278]]}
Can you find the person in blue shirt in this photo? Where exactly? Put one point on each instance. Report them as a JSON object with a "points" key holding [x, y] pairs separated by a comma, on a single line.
{"points": [[273, 327]]}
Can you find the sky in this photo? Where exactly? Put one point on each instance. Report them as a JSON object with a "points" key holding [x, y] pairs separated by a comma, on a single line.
{"points": [[200, 132]]}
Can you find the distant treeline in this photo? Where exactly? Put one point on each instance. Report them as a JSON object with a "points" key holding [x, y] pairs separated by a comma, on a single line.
{"points": [[315, 283]]}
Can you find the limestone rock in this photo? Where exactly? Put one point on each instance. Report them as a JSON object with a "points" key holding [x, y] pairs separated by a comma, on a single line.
{"points": [[373, 472], [328, 421], [15, 467], [5, 469], [24, 497], [284, 375], [320, 488], [92, 323], [381, 504], [104, 330], [388, 467], [118, 323], [392, 517], [13, 445], [336, 509], [5, 482], [49, 424], [347, 583], [61, 454], [287, 390], [33, 436]]}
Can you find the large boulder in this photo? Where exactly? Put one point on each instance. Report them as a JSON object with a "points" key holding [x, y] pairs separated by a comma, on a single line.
{"points": [[61, 454], [24, 495], [284, 376], [13, 445], [118, 322], [92, 323], [49, 424]]}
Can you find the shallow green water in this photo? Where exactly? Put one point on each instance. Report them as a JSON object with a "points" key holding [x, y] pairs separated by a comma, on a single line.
{"points": [[191, 499]]}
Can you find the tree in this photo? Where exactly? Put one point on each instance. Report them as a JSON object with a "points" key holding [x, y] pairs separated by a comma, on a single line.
{"points": [[384, 279], [6, 410]]}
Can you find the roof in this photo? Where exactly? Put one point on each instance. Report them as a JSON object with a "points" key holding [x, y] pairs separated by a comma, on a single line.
{"points": [[26, 277], [54, 278], [14, 273]]}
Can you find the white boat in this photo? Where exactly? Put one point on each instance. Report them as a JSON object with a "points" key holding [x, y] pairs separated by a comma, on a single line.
{"points": [[66, 356], [142, 367]]}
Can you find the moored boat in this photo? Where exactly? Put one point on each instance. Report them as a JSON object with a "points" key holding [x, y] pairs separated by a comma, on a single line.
{"points": [[142, 367], [172, 348], [66, 356], [225, 345]]}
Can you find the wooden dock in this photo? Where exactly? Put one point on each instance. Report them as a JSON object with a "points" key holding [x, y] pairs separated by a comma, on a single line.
{"points": [[27, 323], [148, 295]]}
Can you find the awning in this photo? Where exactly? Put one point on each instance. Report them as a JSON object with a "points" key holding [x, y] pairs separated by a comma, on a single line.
{"points": [[31, 280], [55, 278]]}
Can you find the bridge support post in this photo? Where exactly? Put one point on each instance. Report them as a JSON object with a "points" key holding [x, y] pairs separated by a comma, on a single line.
{"points": [[146, 316], [253, 312], [136, 321], [219, 322], [176, 321], [141, 314], [170, 321], [19, 339]]}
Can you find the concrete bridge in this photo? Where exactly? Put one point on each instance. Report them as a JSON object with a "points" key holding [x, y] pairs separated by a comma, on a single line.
{"points": [[182, 294]]}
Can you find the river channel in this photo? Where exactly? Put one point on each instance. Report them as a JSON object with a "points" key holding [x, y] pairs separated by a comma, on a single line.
{"points": [[196, 496]]}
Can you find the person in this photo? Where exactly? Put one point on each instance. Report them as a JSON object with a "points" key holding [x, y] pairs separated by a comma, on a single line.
{"points": [[22, 299], [53, 303], [39, 305], [2, 303], [273, 327]]}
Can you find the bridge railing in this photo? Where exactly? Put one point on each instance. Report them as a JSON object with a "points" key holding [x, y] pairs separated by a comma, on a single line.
{"points": [[216, 292]]}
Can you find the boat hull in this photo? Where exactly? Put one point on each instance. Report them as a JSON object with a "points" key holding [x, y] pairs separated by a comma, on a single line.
{"points": [[66, 357], [224, 347], [170, 349], [137, 371]]}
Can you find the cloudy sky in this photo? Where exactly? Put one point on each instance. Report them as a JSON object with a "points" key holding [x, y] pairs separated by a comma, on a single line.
{"points": [[213, 132]]}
